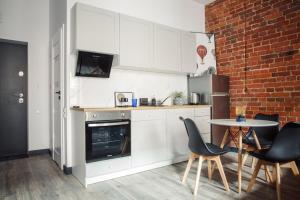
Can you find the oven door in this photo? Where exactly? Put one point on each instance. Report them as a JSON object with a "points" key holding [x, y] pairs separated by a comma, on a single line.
{"points": [[107, 139]]}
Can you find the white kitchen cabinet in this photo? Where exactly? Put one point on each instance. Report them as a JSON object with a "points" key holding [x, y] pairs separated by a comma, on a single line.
{"points": [[204, 127], [177, 138], [96, 30], [205, 111], [148, 142], [188, 52], [148, 137], [136, 42], [167, 49]]}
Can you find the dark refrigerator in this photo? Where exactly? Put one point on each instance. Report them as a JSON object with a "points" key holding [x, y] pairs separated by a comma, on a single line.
{"points": [[214, 90]]}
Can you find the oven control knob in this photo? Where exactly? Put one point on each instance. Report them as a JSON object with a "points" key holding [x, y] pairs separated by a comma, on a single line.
{"points": [[94, 115]]}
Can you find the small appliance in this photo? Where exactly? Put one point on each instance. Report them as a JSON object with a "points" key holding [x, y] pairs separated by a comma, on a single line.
{"points": [[194, 98]]}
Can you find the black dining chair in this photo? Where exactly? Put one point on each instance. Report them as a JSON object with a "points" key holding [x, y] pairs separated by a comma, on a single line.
{"points": [[203, 151], [260, 137], [265, 135], [284, 151]]}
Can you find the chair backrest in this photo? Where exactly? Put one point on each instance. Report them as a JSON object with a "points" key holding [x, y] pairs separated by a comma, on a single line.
{"points": [[196, 142], [267, 133], [286, 146]]}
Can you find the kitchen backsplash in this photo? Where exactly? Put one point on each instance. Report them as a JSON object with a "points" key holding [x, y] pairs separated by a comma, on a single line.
{"points": [[99, 92]]}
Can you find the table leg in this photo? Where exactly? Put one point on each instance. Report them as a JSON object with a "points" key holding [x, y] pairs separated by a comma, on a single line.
{"points": [[224, 138], [240, 147]]}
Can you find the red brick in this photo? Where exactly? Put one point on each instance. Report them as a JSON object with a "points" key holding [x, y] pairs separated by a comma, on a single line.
{"points": [[272, 54]]}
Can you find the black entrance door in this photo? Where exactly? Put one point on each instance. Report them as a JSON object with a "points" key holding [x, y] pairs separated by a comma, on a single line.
{"points": [[13, 99]]}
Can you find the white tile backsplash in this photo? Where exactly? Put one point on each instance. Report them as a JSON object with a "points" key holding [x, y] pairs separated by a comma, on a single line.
{"points": [[99, 92]]}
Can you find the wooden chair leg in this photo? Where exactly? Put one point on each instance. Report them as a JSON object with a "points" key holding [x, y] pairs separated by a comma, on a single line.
{"points": [[221, 170], [274, 174], [278, 181], [198, 175], [244, 158], [268, 174], [253, 163], [252, 181], [209, 169], [188, 167], [222, 146], [294, 168]]}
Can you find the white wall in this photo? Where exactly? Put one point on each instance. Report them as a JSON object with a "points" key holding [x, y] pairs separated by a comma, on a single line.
{"points": [[58, 15], [89, 92], [28, 21]]}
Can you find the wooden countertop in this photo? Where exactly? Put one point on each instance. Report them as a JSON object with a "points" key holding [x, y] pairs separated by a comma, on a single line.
{"points": [[137, 108]]}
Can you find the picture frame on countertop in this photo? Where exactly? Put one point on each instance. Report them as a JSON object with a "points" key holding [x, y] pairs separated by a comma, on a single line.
{"points": [[123, 99]]}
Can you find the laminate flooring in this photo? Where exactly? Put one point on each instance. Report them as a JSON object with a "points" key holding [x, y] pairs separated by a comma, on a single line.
{"points": [[38, 177]]}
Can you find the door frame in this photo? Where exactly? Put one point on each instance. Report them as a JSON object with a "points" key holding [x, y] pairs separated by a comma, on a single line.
{"points": [[26, 74], [58, 36]]}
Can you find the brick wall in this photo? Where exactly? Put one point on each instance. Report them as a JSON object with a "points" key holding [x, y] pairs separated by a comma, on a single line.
{"points": [[263, 35]]}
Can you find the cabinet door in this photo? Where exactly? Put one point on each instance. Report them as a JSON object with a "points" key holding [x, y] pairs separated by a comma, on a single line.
{"points": [[136, 42], [204, 127], [167, 49], [188, 52], [177, 138], [97, 30], [148, 142]]}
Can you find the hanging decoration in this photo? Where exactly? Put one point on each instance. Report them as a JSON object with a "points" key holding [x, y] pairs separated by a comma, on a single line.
{"points": [[209, 35], [205, 54], [202, 51]]}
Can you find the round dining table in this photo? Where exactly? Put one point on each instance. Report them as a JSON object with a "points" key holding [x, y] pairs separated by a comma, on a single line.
{"points": [[239, 136]]}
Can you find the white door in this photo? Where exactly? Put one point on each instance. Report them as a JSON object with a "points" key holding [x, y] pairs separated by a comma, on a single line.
{"points": [[57, 96], [97, 30], [167, 48], [136, 42], [177, 138], [148, 142], [188, 52]]}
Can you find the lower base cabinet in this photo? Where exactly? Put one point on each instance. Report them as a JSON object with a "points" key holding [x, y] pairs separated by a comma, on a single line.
{"points": [[148, 142], [204, 127], [177, 138]]}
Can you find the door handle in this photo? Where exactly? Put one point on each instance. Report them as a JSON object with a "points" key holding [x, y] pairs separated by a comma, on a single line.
{"points": [[58, 92]]}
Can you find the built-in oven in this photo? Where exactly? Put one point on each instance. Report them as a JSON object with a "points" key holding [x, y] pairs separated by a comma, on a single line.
{"points": [[107, 135]]}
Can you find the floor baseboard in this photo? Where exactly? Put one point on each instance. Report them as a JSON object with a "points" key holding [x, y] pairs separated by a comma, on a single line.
{"points": [[13, 157], [67, 170], [39, 152]]}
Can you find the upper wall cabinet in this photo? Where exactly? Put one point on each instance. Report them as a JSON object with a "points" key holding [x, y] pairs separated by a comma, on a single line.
{"points": [[167, 49], [96, 30], [136, 42], [188, 52]]}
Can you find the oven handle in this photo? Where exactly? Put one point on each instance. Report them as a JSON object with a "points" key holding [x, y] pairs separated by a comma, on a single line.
{"points": [[108, 124]]}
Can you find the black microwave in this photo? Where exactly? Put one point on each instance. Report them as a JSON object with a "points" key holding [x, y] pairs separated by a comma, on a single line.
{"points": [[93, 64]]}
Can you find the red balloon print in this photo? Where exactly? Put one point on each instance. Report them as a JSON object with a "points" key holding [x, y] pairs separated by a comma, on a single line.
{"points": [[202, 51]]}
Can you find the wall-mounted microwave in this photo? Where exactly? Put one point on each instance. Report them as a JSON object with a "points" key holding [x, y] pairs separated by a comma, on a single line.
{"points": [[93, 64]]}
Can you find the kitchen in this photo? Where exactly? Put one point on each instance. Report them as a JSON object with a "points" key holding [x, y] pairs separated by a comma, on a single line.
{"points": [[151, 125], [131, 82]]}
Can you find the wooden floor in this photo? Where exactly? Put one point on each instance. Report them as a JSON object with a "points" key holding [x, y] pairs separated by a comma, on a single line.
{"points": [[37, 177]]}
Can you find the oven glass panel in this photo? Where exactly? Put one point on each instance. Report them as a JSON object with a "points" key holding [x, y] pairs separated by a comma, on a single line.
{"points": [[107, 142]]}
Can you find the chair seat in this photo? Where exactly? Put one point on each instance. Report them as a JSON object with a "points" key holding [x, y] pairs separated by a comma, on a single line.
{"points": [[261, 154], [216, 149], [265, 144]]}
